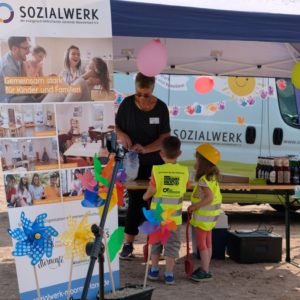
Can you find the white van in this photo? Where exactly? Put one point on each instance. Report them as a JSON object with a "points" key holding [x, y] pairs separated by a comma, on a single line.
{"points": [[244, 117]]}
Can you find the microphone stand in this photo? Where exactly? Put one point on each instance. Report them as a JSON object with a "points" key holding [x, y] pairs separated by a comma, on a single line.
{"points": [[96, 249]]}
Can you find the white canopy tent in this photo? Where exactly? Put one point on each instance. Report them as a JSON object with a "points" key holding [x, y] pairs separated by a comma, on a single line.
{"points": [[210, 37]]}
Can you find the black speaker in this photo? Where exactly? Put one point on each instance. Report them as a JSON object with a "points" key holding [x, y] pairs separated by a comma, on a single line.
{"points": [[254, 246]]}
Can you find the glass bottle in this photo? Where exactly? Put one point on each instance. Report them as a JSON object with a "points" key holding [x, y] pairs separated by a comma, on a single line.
{"points": [[286, 171], [272, 172], [279, 171], [296, 173]]}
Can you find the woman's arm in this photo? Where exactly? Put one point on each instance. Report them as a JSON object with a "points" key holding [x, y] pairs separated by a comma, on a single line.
{"points": [[123, 138], [155, 146]]}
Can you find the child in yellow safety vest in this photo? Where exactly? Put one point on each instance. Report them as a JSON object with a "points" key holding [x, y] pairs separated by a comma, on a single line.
{"points": [[167, 185], [205, 208]]}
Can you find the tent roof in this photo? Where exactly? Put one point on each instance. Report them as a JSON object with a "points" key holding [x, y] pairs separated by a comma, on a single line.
{"points": [[149, 19], [206, 41]]}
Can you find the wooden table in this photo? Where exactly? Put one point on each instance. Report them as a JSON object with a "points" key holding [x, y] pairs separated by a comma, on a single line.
{"points": [[245, 188], [78, 149], [100, 133]]}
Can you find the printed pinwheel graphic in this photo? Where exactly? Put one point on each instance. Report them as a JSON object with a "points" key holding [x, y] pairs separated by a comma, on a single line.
{"points": [[34, 240], [75, 239], [158, 227]]}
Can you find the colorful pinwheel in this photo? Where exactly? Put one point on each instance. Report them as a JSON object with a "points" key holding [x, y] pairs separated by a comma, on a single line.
{"points": [[34, 239], [158, 224], [102, 179], [115, 242], [95, 192], [157, 227]]}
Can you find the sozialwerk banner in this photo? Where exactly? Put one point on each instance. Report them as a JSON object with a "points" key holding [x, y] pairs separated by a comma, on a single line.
{"points": [[55, 67]]}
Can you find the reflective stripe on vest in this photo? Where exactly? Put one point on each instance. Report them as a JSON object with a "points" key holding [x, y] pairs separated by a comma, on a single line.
{"points": [[207, 216], [211, 207], [167, 200]]}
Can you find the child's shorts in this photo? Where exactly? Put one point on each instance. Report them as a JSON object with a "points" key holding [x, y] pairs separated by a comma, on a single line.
{"points": [[172, 247]]}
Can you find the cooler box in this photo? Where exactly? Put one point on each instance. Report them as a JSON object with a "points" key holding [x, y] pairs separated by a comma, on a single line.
{"points": [[254, 246], [219, 238]]}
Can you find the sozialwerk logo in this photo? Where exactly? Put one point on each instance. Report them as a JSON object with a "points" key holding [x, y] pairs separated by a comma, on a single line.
{"points": [[5, 6], [49, 14]]}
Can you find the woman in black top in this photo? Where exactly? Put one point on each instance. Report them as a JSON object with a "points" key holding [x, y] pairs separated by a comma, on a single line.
{"points": [[142, 122]]}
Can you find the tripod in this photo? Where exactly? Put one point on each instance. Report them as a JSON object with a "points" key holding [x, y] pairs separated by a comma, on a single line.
{"points": [[96, 249]]}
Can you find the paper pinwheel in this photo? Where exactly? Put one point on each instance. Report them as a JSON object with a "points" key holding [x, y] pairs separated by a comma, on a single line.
{"points": [[121, 175], [95, 195], [157, 227], [76, 237], [115, 242], [75, 240], [98, 172], [158, 224], [34, 239]]}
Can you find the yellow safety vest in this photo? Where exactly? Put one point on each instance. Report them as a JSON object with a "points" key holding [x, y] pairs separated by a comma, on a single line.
{"points": [[171, 181], [206, 217]]}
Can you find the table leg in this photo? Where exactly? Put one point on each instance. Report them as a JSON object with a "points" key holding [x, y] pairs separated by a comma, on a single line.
{"points": [[287, 227]]}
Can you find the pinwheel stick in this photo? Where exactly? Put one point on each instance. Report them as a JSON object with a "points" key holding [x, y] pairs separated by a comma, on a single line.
{"points": [[147, 266], [70, 276], [109, 266], [37, 283]]}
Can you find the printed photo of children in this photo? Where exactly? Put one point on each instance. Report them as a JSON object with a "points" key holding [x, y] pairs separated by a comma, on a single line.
{"points": [[26, 189]]}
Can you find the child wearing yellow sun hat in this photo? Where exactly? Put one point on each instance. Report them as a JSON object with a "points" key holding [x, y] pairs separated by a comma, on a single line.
{"points": [[206, 203]]}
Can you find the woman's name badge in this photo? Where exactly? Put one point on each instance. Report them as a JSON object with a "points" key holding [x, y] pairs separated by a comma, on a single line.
{"points": [[153, 120]]}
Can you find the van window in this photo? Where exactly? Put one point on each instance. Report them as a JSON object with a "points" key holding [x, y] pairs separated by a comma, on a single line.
{"points": [[289, 105]]}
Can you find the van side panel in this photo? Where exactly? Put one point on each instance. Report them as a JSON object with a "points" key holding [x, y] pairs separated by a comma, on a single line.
{"points": [[230, 116], [284, 120]]}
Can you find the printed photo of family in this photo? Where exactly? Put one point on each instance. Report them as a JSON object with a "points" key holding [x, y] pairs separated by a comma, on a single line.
{"points": [[32, 189], [84, 64], [82, 132]]}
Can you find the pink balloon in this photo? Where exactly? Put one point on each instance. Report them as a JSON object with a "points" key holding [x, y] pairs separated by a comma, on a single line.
{"points": [[152, 58], [204, 84]]}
